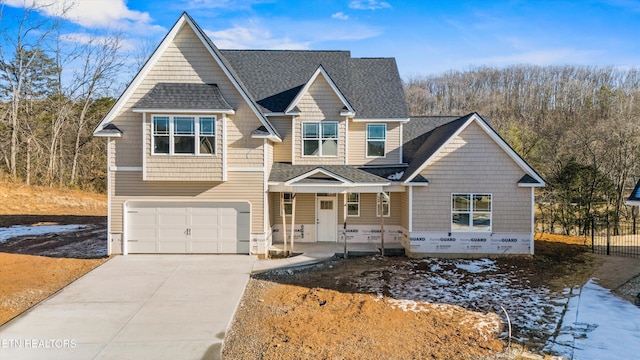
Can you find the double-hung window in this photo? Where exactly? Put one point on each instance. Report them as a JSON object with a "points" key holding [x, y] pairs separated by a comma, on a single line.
{"points": [[207, 135], [471, 212], [353, 204], [320, 138], [183, 135], [161, 135], [376, 139], [288, 203], [386, 208]]}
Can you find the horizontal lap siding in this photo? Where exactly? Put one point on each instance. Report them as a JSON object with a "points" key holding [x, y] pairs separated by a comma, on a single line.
{"points": [[282, 151], [318, 104], [241, 186], [358, 145], [368, 206], [305, 209], [404, 208], [472, 163]]}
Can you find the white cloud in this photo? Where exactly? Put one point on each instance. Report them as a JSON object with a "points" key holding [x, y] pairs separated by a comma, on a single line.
{"points": [[282, 33], [340, 16], [369, 4], [92, 14], [95, 40], [252, 36]]}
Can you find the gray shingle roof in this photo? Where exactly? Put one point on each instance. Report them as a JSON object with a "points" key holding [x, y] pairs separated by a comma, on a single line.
{"points": [[184, 96], [274, 77], [635, 194], [418, 148], [528, 179], [283, 172]]}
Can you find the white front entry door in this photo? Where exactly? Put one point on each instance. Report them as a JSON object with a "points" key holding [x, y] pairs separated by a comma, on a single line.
{"points": [[327, 218]]}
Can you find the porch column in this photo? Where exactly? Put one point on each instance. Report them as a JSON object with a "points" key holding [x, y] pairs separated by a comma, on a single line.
{"points": [[293, 219], [284, 221], [344, 222]]}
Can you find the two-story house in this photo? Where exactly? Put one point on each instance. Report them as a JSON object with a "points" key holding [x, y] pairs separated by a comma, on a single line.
{"points": [[223, 151]]}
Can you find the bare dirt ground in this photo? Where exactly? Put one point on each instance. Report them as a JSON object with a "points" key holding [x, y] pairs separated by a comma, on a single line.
{"points": [[34, 267], [353, 309]]}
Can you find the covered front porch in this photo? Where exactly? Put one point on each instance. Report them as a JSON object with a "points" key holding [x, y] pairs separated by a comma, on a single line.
{"points": [[333, 205]]}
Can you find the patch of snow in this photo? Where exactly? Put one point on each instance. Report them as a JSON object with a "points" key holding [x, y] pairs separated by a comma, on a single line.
{"points": [[21, 230], [477, 266], [598, 325], [395, 177], [479, 285]]}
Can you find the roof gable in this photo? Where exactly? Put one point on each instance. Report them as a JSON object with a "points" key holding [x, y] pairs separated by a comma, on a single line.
{"points": [[442, 136], [372, 86], [185, 20], [320, 72]]}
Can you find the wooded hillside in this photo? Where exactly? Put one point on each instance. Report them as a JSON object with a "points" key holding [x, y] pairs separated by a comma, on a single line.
{"points": [[577, 126]]}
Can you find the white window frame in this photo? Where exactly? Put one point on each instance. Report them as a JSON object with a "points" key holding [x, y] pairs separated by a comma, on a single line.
{"points": [[384, 140], [319, 138], [356, 202], [196, 134], [288, 200], [384, 200], [471, 211]]}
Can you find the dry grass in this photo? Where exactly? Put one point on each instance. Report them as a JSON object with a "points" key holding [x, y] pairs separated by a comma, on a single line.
{"points": [[20, 199]]}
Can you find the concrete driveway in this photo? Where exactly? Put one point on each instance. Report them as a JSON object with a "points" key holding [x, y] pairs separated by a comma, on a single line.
{"points": [[135, 307]]}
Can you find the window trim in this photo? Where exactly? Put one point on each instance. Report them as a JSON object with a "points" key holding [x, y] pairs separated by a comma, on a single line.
{"points": [[383, 200], [319, 138], [196, 134], [288, 202], [367, 139], [357, 203], [472, 211]]}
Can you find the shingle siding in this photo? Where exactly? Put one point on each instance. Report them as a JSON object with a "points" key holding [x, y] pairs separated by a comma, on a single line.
{"points": [[320, 103], [472, 163]]}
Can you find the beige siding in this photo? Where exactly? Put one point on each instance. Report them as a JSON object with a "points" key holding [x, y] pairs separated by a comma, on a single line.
{"points": [[368, 211], [358, 145], [282, 151], [318, 104], [241, 186], [186, 60], [404, 208], [305, 209], [472, 163]]}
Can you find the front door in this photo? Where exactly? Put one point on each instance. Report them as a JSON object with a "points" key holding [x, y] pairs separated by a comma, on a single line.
{"points": [[327, 218]]}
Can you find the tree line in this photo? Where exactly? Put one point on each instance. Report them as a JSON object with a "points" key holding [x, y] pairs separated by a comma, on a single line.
{"points": [[54, 89], [576, 125]]}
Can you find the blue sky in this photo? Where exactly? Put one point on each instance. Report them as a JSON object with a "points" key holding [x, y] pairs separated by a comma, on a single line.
{"points": [[425, 36]]}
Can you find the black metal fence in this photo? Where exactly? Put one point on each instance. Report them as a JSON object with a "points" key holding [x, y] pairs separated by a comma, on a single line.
{"points": [[615, 238]]}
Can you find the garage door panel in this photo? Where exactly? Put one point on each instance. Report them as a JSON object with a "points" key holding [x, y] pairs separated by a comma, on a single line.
{"points": [[183, 227], [172, 233]]}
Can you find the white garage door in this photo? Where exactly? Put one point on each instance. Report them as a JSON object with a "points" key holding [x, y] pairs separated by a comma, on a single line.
{"points": [[187, 228]]}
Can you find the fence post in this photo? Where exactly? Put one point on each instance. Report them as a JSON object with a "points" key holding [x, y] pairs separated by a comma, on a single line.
{"points": [[593, 235], [608, 236]]}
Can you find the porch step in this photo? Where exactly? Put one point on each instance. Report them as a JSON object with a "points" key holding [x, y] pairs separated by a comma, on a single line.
{"points": [[275, 253]]}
